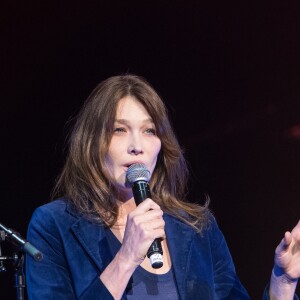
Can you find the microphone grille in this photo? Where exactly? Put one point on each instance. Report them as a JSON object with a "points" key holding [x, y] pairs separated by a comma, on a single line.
{"points": [[137, 172]]}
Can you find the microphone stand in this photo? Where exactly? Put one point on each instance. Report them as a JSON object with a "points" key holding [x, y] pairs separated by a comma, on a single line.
{"points": [[18, 263], [17, 259], [20, 277]]}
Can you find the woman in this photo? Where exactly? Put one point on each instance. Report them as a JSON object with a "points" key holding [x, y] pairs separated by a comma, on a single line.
{"points": [[95, 238]]}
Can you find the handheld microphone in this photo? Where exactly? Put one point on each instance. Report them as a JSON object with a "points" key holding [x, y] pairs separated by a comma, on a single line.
{"points": [[138, 176], [22, 244]]}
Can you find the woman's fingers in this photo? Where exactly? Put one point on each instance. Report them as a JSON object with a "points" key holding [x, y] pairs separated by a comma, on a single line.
{"points": [[146, 205], [146, 217], [285, 242], [287, 239], [146, 212]]}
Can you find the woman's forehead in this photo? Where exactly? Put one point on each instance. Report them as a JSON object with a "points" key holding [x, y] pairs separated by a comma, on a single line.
{"points": [[130, 108]]}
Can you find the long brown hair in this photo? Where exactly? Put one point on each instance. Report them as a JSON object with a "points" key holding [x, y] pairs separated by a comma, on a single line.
{"points": [[84, 181]]}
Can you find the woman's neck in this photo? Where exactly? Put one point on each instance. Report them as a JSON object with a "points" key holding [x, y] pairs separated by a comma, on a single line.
{"points": [[125, 207]]}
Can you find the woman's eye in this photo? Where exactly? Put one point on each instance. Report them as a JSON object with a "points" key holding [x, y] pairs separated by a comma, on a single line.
{"points": [[119, 130], [150, 131]]}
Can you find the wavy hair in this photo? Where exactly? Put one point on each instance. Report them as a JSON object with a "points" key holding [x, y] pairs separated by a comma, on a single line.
{"points": [[84, 181]]}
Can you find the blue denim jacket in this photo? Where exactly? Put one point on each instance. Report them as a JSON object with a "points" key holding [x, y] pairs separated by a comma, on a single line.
{"points": [[76, 251]]}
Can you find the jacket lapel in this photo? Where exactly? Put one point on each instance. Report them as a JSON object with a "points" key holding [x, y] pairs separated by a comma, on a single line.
{"points": [[92, 237], [179, 240]]}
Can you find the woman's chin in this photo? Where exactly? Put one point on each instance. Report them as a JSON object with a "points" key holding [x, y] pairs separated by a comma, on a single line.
{"points": [[124, 191]]}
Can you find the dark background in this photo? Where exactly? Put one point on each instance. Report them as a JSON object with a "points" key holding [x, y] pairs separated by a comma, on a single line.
{"points": [[228, 72]]}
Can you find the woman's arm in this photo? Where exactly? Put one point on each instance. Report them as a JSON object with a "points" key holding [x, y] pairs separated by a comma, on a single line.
{"points": [[144, 225]]}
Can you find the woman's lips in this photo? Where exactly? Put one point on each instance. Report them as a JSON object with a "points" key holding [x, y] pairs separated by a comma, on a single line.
{"points": [[127, 165]]}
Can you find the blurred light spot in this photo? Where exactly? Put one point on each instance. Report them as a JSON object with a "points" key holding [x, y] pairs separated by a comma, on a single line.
{"points": [[294, 132]]}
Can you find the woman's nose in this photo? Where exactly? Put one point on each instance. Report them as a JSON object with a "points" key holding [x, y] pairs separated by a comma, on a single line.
{"points": [[135, 145]]}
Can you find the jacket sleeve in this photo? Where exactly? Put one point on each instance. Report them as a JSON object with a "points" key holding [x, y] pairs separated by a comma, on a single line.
{"points": [[51, 278]]}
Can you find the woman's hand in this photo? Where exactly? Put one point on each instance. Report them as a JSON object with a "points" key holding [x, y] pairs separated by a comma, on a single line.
{"points": [[144, 225], [286, 269], [287, 255]]}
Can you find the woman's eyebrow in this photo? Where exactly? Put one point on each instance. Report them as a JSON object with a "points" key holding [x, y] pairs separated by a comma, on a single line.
{"points": [[126, 122]]}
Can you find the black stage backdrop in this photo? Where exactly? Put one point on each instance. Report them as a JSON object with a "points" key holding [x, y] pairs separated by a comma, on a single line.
{"points": [[228, 71]]}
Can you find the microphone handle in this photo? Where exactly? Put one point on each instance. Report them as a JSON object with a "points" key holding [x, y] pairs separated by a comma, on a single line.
{"points": [[141, 191]]}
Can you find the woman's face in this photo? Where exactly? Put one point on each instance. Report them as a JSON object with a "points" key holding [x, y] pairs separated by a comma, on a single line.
{"points": [[134, 140]]}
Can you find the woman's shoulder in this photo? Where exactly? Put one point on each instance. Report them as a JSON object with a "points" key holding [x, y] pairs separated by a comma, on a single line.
{"points": [[59, 210], [53, 207], [184, 219]]}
